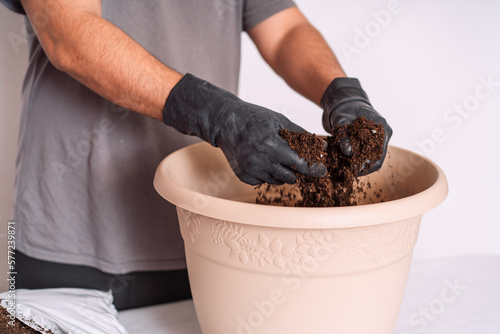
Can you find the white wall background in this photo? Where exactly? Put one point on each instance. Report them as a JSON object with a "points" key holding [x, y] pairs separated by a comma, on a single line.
{"points": [[416, 63]]}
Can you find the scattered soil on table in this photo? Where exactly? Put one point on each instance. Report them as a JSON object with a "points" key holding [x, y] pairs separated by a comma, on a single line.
{"points": [[18, 328], [340, 186]]}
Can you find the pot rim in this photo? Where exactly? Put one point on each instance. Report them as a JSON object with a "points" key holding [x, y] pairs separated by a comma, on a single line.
{"points": [[301, 217]]}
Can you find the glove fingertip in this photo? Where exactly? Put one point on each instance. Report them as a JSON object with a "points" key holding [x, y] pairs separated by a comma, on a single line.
{"points": [[316, 170], [373, 168], [345, 146], [250, 180]]}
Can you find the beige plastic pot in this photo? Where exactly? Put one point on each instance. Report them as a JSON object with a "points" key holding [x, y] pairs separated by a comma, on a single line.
{"points": [[285, 270]]}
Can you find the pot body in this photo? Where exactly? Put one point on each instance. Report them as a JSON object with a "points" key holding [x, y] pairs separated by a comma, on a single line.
{"points": [[254, 279]]}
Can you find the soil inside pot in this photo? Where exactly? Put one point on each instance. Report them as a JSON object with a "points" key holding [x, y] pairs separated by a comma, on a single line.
{"points": [[18, 327], [341, 186]]}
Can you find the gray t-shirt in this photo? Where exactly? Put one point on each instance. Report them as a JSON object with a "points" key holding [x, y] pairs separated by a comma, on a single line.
{"points": [[85, 166]]}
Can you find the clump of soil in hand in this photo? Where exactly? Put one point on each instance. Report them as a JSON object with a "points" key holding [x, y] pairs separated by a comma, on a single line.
{"points": [[340, 185], [314, 191], [18, 328]]}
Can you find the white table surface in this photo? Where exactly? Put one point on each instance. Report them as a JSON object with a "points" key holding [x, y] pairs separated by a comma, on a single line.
{"points": [[448, 296]]}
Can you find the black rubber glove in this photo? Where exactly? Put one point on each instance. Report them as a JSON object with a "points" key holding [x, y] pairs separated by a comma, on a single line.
{"points": [[247, 134], [343, 101]]}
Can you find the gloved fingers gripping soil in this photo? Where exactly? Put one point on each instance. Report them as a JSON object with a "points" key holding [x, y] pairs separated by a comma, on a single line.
{"points": [[340, 186], [247, 134], [343, 102]]}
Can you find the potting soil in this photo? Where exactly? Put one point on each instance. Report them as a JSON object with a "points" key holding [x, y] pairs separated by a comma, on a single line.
{"points": [[340, 186]]}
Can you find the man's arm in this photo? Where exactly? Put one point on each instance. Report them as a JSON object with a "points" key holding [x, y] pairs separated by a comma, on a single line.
{"points": [[300, 55], [95, 52], [297, 52]]}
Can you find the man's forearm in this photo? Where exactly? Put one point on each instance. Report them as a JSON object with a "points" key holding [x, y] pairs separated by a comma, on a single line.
{"points": [[297, 52], [102, 57], [306, 62]]}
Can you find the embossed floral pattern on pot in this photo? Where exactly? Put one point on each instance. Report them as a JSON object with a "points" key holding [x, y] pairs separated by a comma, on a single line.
{"points": [[383, 241], [304, 252], [190, 226]]}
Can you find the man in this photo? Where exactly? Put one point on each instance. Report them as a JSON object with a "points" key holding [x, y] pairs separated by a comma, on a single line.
{"points": [[86, 211]]}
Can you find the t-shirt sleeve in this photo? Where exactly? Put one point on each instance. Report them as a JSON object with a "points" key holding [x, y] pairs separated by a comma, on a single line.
{"points": [[256, 11], [14, 5]]}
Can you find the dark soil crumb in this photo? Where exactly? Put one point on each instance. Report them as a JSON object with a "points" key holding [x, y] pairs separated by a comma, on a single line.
{"points": [[340, 186], [18, 328]]}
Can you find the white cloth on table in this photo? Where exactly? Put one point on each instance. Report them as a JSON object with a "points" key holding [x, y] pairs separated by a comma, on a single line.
{"points": [[65, 310]]}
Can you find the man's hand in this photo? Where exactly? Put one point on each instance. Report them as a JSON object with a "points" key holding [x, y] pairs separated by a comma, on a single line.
{"points": [[247, 134], [343, 101]]}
